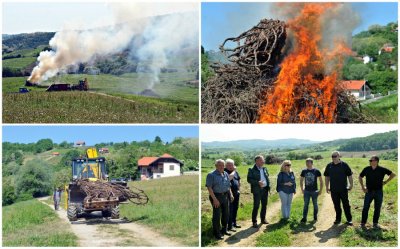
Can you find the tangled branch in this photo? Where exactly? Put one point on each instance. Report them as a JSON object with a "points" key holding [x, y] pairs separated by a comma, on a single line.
{"points": [[97, 189], [236, 93]]}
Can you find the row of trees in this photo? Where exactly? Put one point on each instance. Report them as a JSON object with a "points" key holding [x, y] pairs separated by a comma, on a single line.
{"points": [[382, 141]]}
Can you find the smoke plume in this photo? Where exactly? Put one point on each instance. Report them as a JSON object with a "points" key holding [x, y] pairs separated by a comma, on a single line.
{"points": [[70, 47]]}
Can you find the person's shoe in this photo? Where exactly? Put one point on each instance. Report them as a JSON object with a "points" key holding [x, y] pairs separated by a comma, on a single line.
{"points": [[362, 226], [231, 229], [376, 226], [237, 226], [264, 222], [303, 220], [226, 233], [219, 237], [255, 225], [337, 222], [349, 223]]}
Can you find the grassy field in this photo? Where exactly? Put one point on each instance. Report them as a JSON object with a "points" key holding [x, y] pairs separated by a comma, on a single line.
{"points": [[171, 86], [281, 233], [173, 208], [178, 102], [18, 63], [85, 107], [384, 110], [31, 223]]}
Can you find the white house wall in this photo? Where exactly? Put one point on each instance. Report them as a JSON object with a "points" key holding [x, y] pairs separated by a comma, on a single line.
{"points": [[167, 172]]}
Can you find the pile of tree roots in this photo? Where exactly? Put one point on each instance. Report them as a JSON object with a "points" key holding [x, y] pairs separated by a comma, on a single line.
{"points": [[237, 91], [97, 189]]}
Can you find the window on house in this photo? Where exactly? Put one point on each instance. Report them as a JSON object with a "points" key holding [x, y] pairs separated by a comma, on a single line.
{"points": [[171, 167], [160, 169]]}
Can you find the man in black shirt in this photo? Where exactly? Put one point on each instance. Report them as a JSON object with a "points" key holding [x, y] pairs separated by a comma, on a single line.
{"points": [[310, 175], [235, 188], [374, 175], [336, 174]]}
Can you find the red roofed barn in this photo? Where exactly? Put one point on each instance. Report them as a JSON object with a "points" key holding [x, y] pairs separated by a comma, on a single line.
{"points": [[358, 88], [157, 167]]}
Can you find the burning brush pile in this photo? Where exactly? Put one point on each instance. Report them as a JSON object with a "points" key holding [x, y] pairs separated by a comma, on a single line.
{"points": [[276, 76], [96, 190]]}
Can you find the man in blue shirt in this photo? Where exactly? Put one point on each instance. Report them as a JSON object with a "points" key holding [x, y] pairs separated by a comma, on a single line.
{"points": [[219, 189], [260, 186]]}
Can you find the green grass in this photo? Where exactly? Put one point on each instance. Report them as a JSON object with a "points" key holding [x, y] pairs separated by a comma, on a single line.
{"points": [[26, 52], [383, 110], [31, 223], [85, 107], [171, 86], [173, 208], [18, 63]]}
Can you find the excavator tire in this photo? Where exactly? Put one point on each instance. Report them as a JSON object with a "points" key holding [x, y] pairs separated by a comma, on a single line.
{"points": [[106, 213], [72, 213], [115, 213]]}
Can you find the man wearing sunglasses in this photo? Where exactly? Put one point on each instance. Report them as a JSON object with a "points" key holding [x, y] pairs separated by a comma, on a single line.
{"points": [[336, 174], [374, 175]]}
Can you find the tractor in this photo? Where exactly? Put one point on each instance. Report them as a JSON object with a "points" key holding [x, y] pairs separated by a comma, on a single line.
{"points": [[90, 169]]}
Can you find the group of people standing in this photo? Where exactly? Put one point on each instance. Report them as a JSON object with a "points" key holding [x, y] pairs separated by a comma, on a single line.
{"points": [[223, 185]]}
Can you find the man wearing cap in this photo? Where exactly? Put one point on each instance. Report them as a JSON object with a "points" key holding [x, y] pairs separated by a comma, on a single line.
{"points": [[309, 176], [374, 175], [219, 189], [260, 186], [336, 174]]}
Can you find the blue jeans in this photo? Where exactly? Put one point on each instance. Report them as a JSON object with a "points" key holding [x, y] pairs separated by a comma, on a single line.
{"points": [[286, 200], [307, 196], [377, 197]]}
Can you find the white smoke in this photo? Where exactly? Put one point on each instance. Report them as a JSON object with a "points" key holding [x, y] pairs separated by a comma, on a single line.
{"points": [[165, 37], [70, 47]]}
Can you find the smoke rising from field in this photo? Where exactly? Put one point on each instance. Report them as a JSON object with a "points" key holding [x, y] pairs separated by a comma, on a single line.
{"points": [[161, 38]]}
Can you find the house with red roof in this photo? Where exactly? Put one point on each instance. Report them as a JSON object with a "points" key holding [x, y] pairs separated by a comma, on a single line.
{"points": [[358, 88], [80, 143], [387, 48], [158, 167]]}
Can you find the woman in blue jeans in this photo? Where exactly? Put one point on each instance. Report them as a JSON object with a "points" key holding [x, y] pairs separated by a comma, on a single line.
{"points": [[286, 187]]}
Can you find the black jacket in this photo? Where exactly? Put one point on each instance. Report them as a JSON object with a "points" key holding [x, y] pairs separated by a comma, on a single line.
{"points": [[253, 177]]}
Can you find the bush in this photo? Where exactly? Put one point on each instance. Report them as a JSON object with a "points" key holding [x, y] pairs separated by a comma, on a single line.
{"points": [[33, 179], [9, 196]]}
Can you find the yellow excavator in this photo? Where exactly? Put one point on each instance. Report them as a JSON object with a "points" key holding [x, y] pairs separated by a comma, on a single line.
{"points": [[91, 168]]}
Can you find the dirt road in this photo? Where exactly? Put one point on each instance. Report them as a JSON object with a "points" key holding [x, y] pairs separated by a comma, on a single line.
{"points": [[323, 233], [246, 235], [95, 231]]}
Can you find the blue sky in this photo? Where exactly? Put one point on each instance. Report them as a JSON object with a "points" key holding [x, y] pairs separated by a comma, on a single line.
{"points": [[28, 17], [223, 20], [96, 134]]}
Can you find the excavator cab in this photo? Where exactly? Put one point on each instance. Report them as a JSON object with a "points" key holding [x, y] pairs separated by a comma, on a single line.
{"points": [[89, 168]]}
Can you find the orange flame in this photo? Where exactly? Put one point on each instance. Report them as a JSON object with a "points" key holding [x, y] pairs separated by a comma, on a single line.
{"points": [[306, 89]]}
